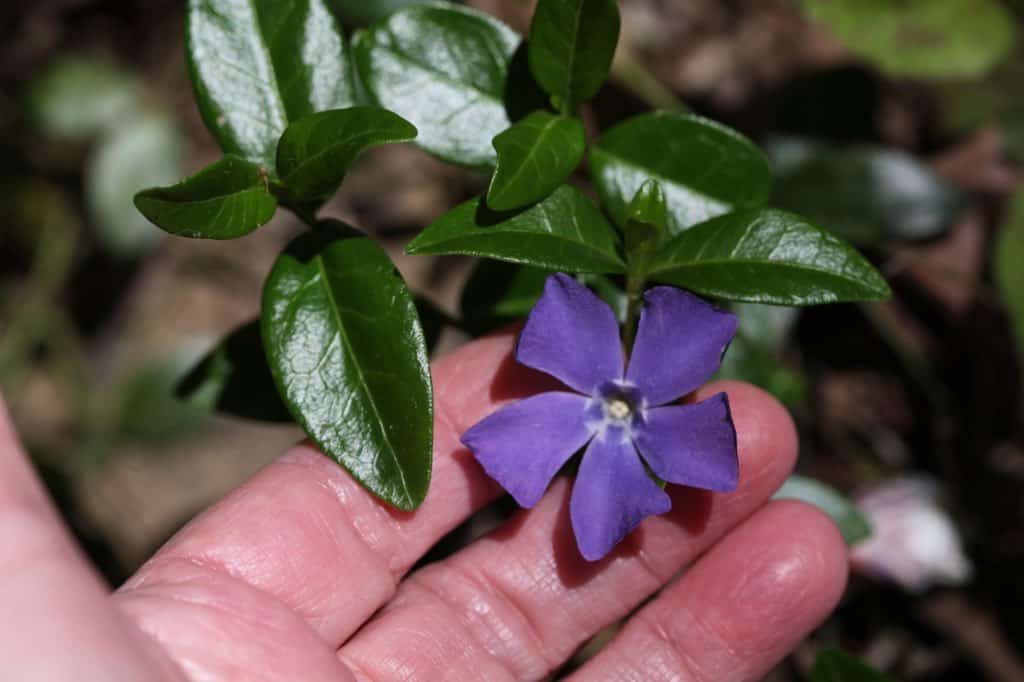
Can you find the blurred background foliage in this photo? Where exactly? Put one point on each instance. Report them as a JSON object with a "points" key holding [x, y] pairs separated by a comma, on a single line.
{"points": [[900, 125]]}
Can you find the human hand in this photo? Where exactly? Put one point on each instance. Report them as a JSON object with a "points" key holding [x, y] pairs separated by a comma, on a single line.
{"points": [[301, 575]]}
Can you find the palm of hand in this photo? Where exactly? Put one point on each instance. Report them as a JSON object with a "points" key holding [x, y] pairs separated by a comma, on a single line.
{"points": [[301, 575]]}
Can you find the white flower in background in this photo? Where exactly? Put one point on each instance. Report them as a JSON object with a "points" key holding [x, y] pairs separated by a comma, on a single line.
{"points": [[913, 542]]}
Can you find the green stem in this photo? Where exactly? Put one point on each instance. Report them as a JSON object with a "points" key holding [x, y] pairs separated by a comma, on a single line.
{"points": [[635, 282], [629, 74], [306, 213]]}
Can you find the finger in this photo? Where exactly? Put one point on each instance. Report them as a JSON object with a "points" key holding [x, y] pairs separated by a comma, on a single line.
{"points": [[305, 532], [52, 599], [517, 603], [740, 609]]}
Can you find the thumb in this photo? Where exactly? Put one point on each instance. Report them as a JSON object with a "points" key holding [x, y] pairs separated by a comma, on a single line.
{"points": [[58, 621]]}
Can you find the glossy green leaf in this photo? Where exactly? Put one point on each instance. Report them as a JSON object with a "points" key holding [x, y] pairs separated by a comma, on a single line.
{"points": [[258, 65], [345, 347], [141, 152], [564, 232], [75, 98], [572, 43], [835, 665], [227, 200], [921, 38], [851, 523], [768, 256], [443, 68], [316, 151], [646, 220], [234, 379], [865, 194], [535, 156], [1009, 255], [704, 168]]}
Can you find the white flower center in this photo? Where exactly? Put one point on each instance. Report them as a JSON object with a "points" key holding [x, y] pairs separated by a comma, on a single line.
{"points": [[619, 409]]}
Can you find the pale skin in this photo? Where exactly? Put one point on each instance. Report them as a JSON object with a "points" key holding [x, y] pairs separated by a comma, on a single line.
{"points": [[300, 574]]}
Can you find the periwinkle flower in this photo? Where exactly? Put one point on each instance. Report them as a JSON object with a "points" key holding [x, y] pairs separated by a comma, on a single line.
{"points": [[621, 414]]}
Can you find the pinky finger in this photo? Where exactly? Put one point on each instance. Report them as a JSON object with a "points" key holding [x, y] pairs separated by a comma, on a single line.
{"points": [[740, 609]]}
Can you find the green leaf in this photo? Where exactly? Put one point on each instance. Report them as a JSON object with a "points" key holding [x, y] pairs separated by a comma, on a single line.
{"points": [[361, 12], [835, 665], [227, 200], [572, 43], [316, 151], [535, 156], [564, 232], [234, 379], [143, 151], [704, 168], [443, 68], [1009, 254], [258, 65], [866, 194], [921, 38], [646, 219], [75, 98], [768, 256], [347, 353], [852, 524]]}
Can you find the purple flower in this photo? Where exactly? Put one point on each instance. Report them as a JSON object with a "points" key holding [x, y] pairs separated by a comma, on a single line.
{"points": [[621, 415]]}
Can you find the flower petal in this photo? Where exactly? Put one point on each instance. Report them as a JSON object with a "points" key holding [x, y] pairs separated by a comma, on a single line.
{"points": [[679, 344], [692, 445], [523, 445], [572, 335], [612, 495]]}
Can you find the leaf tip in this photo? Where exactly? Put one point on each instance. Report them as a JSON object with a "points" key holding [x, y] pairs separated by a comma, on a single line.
{"points": [[415, 247], [496, 196], [878, 289]]}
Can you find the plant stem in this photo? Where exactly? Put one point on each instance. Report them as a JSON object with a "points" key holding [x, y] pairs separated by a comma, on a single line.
{"points": [[305, 212], [635, 282], [630, 74]]}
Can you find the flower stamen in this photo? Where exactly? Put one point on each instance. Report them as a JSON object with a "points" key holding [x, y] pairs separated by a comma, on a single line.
{"points": [[619, 409]]}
